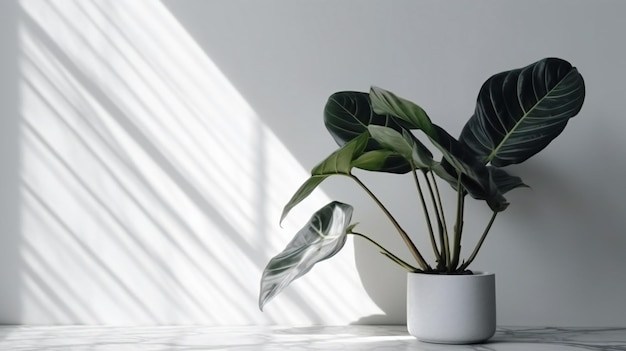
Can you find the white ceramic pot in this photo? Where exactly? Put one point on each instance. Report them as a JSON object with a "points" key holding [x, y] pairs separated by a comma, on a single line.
{"points": [[451, 309]]}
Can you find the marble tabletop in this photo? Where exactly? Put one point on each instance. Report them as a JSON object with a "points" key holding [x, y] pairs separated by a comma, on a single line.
{"points": [[364, 338]]}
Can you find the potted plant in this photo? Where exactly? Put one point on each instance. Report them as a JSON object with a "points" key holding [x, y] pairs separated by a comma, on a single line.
{"points": [[518, 113]]}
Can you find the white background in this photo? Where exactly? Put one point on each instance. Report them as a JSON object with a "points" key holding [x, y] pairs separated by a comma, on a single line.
{"points": [[148, 149]]}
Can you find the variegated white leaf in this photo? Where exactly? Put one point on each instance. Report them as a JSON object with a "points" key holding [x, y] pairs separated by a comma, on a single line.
{"points": [[321, 238]]}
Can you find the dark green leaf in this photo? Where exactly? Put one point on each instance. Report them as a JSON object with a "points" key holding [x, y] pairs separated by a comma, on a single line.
{"points": [[519, 112], [475, 176], [321, 238], [405, 144], [385, 102], [377, 160], [339, 162], [347, 115], [302, 193], [504, 181]]}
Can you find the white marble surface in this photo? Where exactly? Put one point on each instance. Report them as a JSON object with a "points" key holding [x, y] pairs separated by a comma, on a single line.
{"points": [[365, 338]]}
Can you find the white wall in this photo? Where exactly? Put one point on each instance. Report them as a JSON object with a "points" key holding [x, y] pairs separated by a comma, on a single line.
{"points": [[153, 145]]}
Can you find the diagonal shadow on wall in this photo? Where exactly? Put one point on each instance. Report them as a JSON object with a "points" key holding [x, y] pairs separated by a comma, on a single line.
{"points": [[145, 186]]}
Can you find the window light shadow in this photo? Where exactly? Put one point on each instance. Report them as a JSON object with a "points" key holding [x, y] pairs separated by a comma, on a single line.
{"points": [[150, 189]]}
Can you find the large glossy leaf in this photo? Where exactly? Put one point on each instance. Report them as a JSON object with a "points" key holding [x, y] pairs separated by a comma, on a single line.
{"points": [[385, 102], [475, 176], [519, 112], [377, 160], [347, 115], [321, 238]]}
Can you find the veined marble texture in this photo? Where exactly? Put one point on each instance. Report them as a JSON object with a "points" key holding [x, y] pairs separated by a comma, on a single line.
{"points": [[364, 338]]}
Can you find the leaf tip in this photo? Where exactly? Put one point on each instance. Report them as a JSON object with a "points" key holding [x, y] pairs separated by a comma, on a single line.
{"points": [[374, 89], [283, 215], [266, 294]]}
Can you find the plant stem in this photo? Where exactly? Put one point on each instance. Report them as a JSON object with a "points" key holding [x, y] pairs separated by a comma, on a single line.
{"points": [[480, 242], [427, 216], [414, 251], [386, 252], [458, 227], [441, 218]]}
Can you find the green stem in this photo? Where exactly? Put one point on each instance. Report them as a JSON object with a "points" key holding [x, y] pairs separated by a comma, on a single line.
{"points": [[441, 218], [458, 226], [388, 254], [427, 216], [480, 243], [414, 251]]}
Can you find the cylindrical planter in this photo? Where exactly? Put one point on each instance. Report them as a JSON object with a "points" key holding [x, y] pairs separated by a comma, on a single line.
{"points": [[451, 309]]}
